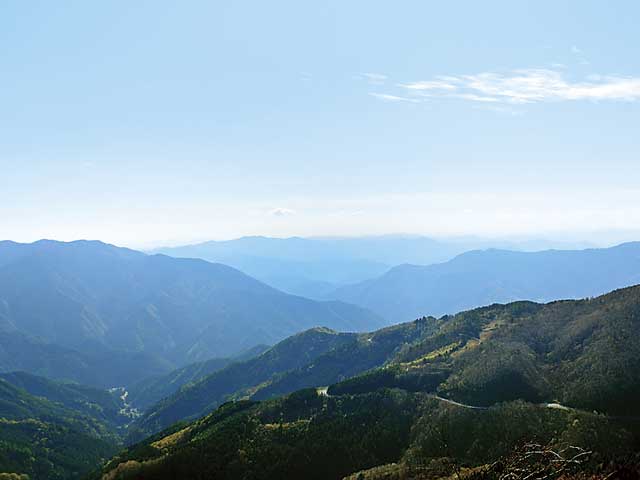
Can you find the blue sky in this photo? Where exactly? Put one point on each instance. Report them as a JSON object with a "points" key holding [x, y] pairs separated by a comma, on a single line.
{"points": [[154, 122]]}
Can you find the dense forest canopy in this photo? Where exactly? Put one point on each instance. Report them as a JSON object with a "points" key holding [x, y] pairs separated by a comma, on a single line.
{"points": [[426, 396]]}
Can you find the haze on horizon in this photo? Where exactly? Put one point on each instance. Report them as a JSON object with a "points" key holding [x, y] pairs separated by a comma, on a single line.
{"points": [[146, 123]]}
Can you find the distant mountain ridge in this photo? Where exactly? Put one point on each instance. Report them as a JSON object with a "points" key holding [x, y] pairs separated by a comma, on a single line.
{"points": [[315, 266], [483, 277], [88, 297]]}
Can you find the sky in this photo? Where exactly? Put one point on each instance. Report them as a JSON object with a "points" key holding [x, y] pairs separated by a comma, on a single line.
{"points": [[160, 122]]}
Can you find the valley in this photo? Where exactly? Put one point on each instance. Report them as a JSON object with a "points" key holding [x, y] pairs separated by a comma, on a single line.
{"points": [[512, 373], [537, 367]]}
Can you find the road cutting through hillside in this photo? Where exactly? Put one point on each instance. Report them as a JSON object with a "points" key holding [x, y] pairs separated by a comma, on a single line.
{"points": [[324, 392]]}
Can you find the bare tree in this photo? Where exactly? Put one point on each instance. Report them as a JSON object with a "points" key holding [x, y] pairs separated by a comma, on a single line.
{"points": [[537, 462]]}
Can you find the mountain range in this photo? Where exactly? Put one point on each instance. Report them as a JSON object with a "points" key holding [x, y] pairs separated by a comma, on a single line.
{"points": [[339, 393], [313, 267], [81, 302], [404, 277], [524, 350], [410, 399], [483, 277]]}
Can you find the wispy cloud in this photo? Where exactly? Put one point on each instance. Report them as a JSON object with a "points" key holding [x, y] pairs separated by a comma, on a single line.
{"points": [[392, 98], [447, 85], [476, 98], [281, 212], [522, 86], [375, 78]]}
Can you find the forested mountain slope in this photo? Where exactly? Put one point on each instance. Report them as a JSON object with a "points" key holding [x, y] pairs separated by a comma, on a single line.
{"points": [[238, 379], [61, 437], [101, 366], [479, 278], [90, 297], [103, 405], [152, 389], [406, 435], [507, 361]]}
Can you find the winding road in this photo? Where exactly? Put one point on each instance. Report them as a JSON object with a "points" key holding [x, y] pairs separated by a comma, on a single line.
{"points": [[324, 392]]}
